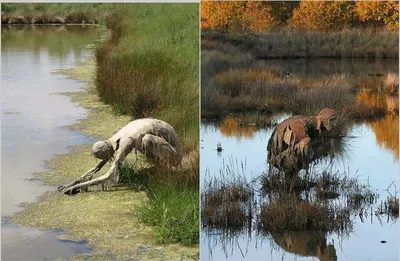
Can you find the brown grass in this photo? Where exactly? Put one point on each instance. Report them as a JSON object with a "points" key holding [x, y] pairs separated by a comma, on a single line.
{"points": [[290, 214], [392, 83]]}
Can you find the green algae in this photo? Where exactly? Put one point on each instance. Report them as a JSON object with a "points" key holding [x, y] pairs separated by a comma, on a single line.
{"points": [[107, 220]]}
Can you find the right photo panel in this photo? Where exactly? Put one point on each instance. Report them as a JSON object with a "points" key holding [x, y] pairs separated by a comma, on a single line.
{"points": [[299, 151]]}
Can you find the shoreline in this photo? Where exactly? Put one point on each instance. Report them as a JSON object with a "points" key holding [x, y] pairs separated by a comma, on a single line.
{"points": [[54, 210]]}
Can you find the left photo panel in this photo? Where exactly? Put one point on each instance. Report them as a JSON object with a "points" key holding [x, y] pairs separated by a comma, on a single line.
{"points": [[100, 131]]}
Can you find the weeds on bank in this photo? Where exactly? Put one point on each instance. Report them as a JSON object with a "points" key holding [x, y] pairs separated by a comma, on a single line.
{"points": [[173, 212], [155, 75]]}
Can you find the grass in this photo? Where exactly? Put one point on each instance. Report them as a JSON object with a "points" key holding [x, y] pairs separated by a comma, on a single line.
{"points": [[287, 43], [118, 206], [156, 75], [227, 202], [238, 75], [174, 214], [153, 75], [260, 89]]}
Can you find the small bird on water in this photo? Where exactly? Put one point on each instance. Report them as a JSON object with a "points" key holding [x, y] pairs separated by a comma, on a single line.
{"points": [[219, 146]]}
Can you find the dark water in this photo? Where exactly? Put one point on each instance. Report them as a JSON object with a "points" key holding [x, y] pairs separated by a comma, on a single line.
{"points": [[371, 155], [33, 120]]}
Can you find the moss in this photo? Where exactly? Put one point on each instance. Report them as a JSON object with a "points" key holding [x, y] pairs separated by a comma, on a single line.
{"points": [[106, 219]]}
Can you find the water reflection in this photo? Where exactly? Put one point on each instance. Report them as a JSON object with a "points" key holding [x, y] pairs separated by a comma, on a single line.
{"points": [[33, 124], [306, 243], [58, 41], [248, 242], [386, 129]]}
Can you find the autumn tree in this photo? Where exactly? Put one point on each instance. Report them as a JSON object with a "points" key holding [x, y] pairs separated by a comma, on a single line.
{"points": [[222, 15], [323, 15], [256, 16], [379, 12]]}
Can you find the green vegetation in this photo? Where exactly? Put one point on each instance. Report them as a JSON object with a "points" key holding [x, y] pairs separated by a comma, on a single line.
{"points": [[155, 74], [98, 216], [147, 68], [174, 213]]}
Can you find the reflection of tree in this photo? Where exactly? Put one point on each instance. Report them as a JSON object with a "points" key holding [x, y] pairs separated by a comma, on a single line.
{"points": [[306, 243], [232, 126], [387, 129], [386, 132]]}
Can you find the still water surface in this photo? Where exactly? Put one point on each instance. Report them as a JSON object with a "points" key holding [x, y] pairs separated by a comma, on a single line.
{"points": [[33, 120], [371, 155]]}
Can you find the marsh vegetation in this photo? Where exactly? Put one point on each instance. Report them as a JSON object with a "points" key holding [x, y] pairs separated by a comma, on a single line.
{"points": [[263, 62]]}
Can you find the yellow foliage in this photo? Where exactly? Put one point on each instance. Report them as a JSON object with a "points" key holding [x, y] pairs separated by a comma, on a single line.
{"points": [[323, 15], [386, 12]]}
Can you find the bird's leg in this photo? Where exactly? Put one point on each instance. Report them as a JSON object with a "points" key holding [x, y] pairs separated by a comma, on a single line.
{"points": [[85, 177]]}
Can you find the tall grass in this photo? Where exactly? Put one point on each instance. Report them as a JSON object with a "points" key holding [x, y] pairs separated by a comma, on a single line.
{"points": [[149, 68], [174, 214], [288, 43]]}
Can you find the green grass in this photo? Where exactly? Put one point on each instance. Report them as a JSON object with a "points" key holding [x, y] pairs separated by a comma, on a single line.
{"points": [[154, 74], [173, 213], [149, 68]]}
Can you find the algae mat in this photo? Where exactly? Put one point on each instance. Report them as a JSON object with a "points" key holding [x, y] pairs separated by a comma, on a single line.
{"points": [[106, 219]]}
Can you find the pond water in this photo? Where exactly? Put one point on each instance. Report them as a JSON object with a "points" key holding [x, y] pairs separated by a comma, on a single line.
{"points": [[33, 121], [371, 154]]}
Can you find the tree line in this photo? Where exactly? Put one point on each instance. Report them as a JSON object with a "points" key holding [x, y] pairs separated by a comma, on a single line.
{"points": [[254, 16]]}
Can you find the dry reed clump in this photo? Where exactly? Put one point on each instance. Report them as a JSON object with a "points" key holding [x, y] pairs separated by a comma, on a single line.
{"points": [[291, 214], [392, 83], [393, 206], [228, 206], [288, 43], [334, 93]]}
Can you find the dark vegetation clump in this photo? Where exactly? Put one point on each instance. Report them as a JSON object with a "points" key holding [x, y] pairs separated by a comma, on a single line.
{"points": [[227, 203]]}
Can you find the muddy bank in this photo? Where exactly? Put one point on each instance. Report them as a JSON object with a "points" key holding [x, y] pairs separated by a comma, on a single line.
{"points": [[107, 220]]}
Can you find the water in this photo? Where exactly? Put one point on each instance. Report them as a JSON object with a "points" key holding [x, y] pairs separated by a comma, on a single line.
{"points": [[371, 155], [33, 120]]}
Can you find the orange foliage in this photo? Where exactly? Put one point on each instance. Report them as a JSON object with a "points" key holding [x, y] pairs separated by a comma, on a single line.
{"points": [[387, 133], [232, 127], [387, 129], [256, 16], [323, 15], [221, 15], [385, 12]]}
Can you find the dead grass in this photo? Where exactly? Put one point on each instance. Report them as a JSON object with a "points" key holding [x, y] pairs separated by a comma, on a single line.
{"points": [[392, 83], [286, 43]]}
